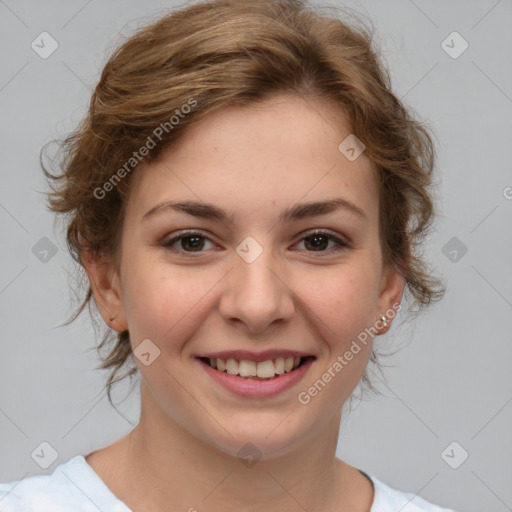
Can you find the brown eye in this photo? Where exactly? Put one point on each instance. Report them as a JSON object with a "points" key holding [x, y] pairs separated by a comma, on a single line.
{"points": [[193, 243], [318, 241], [187, 242]]}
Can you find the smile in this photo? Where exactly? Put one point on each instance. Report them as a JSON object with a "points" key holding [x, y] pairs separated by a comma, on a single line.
{"points": [[245, 368], [256, 379]]}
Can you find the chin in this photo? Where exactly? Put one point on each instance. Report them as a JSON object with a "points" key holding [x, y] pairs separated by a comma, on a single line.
{"points": [[260, 439]]}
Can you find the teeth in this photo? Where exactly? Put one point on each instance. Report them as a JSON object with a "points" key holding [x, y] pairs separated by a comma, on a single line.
{"points": [[264, 369], [247, 368], [232, 367]]}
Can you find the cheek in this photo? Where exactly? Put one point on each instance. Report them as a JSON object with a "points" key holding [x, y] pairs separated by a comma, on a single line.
{"points": [[163, 305], [340, 307], [340, 300]]}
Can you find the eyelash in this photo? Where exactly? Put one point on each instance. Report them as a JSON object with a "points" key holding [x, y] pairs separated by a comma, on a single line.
{"points": [[319, 232]]}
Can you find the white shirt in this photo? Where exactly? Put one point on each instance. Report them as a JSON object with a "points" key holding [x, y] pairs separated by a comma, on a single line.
{"points": [[75, 487]]}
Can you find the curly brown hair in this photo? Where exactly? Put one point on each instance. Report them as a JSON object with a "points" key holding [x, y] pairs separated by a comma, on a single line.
{"points": [[226, 52]]}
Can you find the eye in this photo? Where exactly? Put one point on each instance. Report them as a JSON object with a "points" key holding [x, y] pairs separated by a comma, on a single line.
{"points": [[195, 241], [190, 241], [319, 240]]}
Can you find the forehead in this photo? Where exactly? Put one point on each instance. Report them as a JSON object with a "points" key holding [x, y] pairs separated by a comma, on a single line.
{"points": [[259, 158]]}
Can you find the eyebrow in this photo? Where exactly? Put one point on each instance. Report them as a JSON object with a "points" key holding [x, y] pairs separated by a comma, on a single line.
{"points": [[296, 212]]}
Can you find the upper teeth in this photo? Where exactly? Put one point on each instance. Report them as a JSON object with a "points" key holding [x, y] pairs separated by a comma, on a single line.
{"points": [[264, 369]]}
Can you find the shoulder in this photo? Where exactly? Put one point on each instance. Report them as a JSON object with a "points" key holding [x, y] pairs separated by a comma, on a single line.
{"points": [[387, 499], [72, 487]]}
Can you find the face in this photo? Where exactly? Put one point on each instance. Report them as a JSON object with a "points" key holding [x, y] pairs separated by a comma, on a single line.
{"points": [[227, 275]]}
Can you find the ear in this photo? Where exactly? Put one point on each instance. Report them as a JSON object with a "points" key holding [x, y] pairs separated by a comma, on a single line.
{"points": [[391, 291], [105, 285]]}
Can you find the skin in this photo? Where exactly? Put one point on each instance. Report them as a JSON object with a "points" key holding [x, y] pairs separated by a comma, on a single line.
{"points": [[253, 161]]}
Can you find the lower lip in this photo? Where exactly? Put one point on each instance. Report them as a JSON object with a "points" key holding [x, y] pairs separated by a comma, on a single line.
{"points": [[248, 387]]}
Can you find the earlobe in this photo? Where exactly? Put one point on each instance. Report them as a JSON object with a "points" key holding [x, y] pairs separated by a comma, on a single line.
{"points": [[104, 281]]}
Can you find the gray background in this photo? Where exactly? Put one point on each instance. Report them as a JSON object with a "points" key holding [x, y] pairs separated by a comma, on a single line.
{"points": [[450, 382]]}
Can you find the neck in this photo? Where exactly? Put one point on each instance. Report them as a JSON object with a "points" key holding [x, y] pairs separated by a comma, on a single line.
{"points": [[184, 473]]}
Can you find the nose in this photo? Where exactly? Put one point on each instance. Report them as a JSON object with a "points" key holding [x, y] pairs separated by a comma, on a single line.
{"points": [[256, 295]]}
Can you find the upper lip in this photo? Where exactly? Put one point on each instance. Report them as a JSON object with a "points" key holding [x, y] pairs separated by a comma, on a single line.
{"points": [[255, 356]]}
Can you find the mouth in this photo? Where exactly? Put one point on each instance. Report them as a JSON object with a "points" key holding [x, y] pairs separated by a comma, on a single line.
{"points": [[258, 377], [265, 370]]}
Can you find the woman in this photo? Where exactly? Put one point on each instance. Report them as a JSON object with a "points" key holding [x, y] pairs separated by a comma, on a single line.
{"points": [[245, 195]]}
